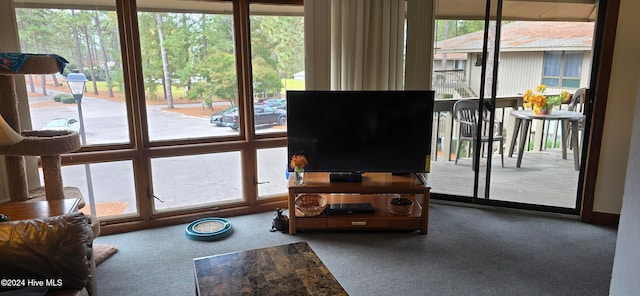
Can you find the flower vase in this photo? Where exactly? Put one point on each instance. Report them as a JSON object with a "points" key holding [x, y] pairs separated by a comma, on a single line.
{"points": [[542, 111], [298, 175]]}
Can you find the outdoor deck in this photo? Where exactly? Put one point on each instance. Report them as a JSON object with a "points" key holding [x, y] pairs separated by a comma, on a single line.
{"points": [[544, 178]]}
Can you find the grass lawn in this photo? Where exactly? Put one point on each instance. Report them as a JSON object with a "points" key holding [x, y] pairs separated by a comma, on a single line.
{"points": [[292, 84]]}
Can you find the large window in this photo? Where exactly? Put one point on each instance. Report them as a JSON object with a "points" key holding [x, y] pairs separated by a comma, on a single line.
{"points": [[165, 125], [562, 69]]}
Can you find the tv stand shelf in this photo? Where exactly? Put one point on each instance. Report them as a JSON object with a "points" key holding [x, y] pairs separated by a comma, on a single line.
{"points": [[375, 188]]}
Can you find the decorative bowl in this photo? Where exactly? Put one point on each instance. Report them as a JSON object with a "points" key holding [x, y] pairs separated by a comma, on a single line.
{"points": [[311, 204], [400, 206]]}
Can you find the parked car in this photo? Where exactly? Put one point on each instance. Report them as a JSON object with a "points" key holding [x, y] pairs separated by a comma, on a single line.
{"points": [[276, 103], [262, 116], [62, 124], [264, 101], [215, 117]]}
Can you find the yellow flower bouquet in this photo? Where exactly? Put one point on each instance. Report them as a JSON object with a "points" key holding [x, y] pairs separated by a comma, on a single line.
{"points": [[540, 102]]}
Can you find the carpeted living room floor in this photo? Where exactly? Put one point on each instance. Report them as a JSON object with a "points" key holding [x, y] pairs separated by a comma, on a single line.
{"points": [[468, 251]]}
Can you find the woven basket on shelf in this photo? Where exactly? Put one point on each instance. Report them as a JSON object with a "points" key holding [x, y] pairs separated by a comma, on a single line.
{"points": [[400, 206], [311, 204]]}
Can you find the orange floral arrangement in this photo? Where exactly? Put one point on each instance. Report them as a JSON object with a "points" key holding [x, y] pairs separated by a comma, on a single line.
{"points": [[540, 102], [298, 162]]}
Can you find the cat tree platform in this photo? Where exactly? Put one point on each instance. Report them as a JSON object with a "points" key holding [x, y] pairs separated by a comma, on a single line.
{"points": [[49, 145]]}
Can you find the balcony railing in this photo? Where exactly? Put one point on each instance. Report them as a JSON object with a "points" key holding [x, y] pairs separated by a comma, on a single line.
{"points": [[445, 129], [451, 84]]}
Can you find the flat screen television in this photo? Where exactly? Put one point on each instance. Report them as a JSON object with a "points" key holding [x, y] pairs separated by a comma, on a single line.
{"points": [[347, 132]]}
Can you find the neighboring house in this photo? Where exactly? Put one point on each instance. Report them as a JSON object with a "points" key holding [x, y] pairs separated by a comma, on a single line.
{"points": [[299, 75], [557, 54]]}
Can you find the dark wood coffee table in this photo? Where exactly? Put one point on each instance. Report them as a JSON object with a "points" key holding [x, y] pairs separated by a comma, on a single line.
{"points": [[292, 269]]}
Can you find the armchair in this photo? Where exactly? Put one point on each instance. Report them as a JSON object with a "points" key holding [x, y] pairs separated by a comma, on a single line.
{"points": [[55, 251], [466, 113]]}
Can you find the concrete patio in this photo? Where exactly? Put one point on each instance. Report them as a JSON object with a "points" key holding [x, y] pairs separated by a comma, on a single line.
{"points": [[543, 179]]}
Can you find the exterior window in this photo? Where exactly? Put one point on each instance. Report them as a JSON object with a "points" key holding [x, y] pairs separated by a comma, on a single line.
{"points": [[189, 74], [277, 58], [272, 172], [91, 45], [111, 191], [197, 180], [562, 69]]}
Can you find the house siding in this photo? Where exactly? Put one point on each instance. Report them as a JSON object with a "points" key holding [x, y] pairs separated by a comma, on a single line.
{"points": [[523, 45], [520, 71]]}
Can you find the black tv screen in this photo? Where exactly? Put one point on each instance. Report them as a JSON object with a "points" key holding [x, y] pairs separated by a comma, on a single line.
{"points": [[361, 131]]}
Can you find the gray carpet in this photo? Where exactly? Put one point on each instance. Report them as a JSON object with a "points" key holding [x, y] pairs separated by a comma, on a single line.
{"points": [[468, 251]]}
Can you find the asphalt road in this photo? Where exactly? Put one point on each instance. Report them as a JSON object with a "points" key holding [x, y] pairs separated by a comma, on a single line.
{"points": [[106, 122], [178, 181]]}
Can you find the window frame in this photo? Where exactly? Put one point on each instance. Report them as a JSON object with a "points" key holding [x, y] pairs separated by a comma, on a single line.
{"points": [[562, 77], [141, 150]]}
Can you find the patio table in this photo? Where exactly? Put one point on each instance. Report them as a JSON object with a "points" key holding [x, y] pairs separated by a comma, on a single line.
{"points": [[523, 120]]}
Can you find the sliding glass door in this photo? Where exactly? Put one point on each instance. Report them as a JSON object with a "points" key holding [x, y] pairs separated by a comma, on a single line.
{"points": [[511, 66]]}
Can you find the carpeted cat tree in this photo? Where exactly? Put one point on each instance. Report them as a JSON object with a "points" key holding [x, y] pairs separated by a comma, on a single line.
{"points": [[49, 145]]}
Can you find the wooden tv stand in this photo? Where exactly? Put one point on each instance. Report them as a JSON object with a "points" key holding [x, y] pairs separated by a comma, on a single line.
{"points": [[375, 188]]}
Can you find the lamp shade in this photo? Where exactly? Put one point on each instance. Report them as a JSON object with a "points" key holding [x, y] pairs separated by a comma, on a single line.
{"points": [[7, 135], [76, 83]]}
